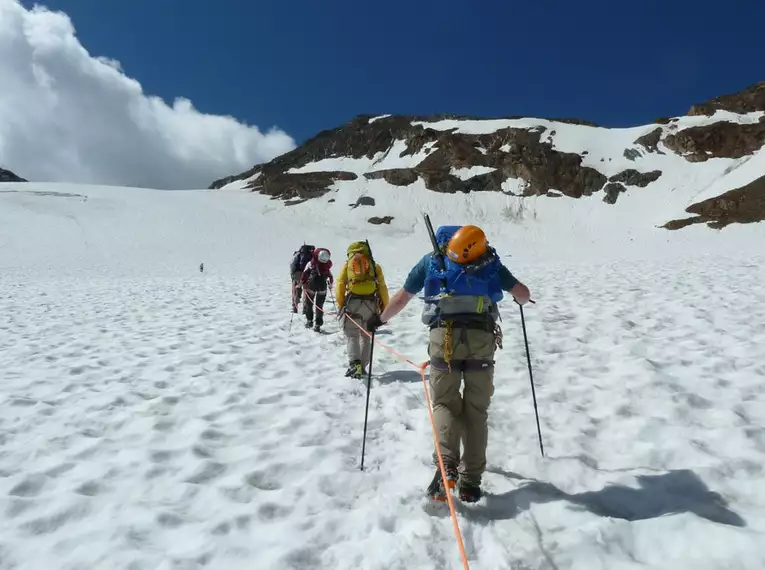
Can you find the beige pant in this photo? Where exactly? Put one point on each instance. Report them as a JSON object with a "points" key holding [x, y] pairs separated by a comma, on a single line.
{"points": [[359, 345], [462, 417]]}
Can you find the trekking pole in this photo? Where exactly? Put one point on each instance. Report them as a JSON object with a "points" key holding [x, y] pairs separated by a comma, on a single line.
{"points": [[292, 306], [369, 389], [332, 298], [531, 377]]}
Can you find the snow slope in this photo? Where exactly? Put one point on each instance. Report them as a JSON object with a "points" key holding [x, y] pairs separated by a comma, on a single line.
{"points": [[152, 416]]}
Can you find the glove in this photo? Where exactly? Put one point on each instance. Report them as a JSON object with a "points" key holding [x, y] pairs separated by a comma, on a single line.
{"points": [[374, 323]]}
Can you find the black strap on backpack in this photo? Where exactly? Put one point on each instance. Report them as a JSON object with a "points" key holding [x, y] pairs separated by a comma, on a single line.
{"points": [[437, 253], [371, 260]]}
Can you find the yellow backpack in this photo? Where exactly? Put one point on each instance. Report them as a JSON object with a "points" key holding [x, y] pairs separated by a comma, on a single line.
{"points": [[359, 270]]}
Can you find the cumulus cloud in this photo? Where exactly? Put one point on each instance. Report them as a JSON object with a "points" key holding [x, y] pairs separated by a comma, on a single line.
{"points": [[68, 116]]}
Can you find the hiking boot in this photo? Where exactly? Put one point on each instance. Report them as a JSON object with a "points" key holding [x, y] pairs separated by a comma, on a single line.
{"points": [[355, 370], [436, 489], [317, 328], [309, 324], [469, 492]]}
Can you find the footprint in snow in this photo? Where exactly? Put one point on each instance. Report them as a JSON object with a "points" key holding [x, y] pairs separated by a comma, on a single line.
{"points": [[270, 399], [31, 486], [211, 470], [51, 523], [89, 489], [169, 520], [263, 481], [164, 425], [212, 434], [162, 455], [273, 511]]}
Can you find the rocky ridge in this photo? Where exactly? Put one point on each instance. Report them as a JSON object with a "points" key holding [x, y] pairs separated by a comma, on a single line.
{"points": [[449, 157]]}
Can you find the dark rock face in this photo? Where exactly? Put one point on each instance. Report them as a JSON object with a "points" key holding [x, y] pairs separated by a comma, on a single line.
{"points": [[747, 101], [511, 152], [358, 138], [228, 180], [394, 176], [612, 190], [302, 186], [378, 221], [8, 176], [441, 181], [632, 177], [363, 201], [743, 205], [650, 141], [718, 140], [541, 166]]}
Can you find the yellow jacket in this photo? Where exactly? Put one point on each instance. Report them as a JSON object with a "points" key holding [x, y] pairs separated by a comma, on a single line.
{"points": [[342, 286]]}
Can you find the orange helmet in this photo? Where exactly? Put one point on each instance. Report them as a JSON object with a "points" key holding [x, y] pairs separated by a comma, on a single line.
{"points": [[467, 244]]}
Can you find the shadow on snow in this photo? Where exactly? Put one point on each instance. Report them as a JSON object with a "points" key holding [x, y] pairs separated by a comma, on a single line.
{"points": [[673, 492], [393, 376]]}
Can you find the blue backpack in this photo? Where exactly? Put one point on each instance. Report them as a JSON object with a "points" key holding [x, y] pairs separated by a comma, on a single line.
{"points": [[461, 291]]}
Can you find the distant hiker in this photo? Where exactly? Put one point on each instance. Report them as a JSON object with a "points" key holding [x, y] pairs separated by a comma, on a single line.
{"points": [[361, 294], [299, 260], [316, 278], [463, 283], [201, 267]]}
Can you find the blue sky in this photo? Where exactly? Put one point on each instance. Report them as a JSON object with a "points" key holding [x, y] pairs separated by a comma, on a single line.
{"points": [[309, 65]]}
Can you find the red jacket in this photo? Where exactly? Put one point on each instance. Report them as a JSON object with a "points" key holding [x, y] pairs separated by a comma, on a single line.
{"points": [[315, 270]]}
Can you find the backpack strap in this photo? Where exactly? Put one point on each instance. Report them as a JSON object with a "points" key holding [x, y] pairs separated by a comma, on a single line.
{"points": [[372, 261]]}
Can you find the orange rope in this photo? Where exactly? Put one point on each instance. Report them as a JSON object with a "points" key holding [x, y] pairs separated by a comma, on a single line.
{"points": [[449, 499], [421, 367]]}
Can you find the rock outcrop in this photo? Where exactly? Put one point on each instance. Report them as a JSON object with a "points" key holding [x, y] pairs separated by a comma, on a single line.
{"points": [[742, 205], [8, 176], [718, 140], [376, 220], [631, 177], [747, 101], [394, 176], [302, 186], [650, 141], [612, 191]]}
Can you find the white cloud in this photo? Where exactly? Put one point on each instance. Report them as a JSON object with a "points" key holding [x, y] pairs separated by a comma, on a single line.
{"points": [[71, 117]]}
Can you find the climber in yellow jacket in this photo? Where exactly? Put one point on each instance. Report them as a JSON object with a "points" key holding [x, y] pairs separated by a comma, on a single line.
{"points": [[361, 293]]}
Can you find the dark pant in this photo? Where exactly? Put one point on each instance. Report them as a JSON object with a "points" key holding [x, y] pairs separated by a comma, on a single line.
{"points": [[317, 297]]}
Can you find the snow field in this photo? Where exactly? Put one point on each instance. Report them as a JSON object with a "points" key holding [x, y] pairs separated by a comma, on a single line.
{"points": [[152, 416]]}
